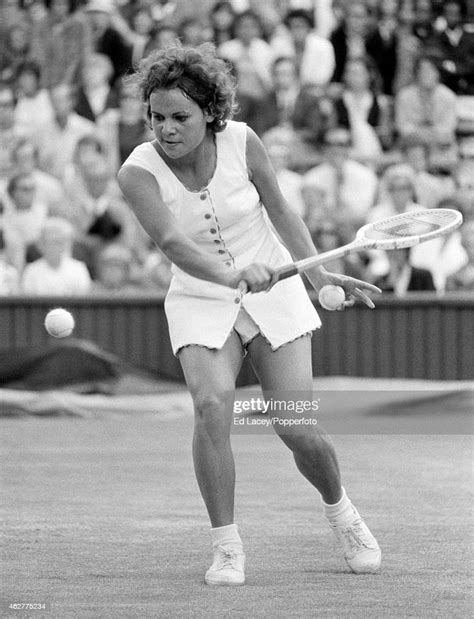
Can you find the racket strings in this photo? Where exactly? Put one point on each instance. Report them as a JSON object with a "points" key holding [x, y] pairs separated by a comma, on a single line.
{"points": [[409, 228], [416, 224]]}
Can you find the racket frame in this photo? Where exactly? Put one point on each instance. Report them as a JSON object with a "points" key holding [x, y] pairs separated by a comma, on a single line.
{"points": [[361, 242]]}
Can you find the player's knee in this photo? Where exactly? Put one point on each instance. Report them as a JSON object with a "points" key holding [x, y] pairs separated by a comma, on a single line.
{"points": [[210, 411]]}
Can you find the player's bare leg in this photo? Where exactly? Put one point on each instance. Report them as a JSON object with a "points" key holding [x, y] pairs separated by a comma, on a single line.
{"points": [[286, 374], [210, 376]]}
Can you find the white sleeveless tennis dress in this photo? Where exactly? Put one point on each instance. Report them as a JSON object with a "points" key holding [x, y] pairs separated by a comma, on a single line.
{"points": [[227, 220]]}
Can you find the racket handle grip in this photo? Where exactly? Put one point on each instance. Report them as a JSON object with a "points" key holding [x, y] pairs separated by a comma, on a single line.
{"points": [[283, 273], [286, 272]]}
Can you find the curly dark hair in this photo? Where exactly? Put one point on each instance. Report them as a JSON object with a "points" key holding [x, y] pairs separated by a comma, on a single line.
{"points": [[198, 72]]}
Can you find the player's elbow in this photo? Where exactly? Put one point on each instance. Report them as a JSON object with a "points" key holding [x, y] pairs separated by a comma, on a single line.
{"points": [[171, 244]]}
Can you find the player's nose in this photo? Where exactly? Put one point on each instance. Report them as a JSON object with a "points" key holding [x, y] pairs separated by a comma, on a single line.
{"points": [[168, 127]]}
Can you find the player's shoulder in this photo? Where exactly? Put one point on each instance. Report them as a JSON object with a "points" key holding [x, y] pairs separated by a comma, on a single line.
{"points": [[255, 151], [238, 137], [240, 130], [143, 158], [140, 152], [234, 127]]}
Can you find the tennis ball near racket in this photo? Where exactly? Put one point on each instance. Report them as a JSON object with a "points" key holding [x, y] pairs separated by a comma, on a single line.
{"points": [[59, 322], [332, 297]]}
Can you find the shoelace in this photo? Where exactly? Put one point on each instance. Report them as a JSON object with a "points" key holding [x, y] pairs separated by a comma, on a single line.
{"points": [[354, 538], [227, 557]]}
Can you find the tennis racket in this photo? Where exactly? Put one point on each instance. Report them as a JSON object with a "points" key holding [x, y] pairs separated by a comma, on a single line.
{"points": [[397, 232]]}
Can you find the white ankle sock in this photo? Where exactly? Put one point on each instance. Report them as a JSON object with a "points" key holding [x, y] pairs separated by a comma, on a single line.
{"points": [[339, 510], [229, 534]]}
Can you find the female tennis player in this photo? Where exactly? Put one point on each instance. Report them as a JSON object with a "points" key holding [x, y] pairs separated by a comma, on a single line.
{"points": [[199, 190]]}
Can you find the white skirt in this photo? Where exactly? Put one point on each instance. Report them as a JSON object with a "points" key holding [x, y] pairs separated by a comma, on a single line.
{"points": [[203, 313]]}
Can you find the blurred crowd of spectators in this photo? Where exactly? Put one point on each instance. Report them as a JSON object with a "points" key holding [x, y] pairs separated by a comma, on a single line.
{"points": [[366, 108]]}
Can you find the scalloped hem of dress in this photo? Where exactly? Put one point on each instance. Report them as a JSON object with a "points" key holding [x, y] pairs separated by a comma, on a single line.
{"points": [[298, 337], [247, 344], [195, 345]]}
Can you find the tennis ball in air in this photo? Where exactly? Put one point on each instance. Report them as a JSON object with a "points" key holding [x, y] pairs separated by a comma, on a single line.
{"points": [[332, 297], [59, 322]]}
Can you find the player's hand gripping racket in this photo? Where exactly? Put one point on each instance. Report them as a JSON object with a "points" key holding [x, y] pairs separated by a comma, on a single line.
{"points": [[397, 232]]}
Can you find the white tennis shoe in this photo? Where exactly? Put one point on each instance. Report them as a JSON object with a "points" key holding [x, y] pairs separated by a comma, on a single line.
{"points": [[361, 550], [228, 566]]}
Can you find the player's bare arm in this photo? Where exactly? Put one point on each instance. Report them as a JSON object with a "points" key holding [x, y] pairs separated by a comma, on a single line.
{"points": [[287, 222], [291, 227]]}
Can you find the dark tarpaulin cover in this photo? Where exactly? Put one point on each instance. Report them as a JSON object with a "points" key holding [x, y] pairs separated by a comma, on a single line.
{"points": [[73, 365]]}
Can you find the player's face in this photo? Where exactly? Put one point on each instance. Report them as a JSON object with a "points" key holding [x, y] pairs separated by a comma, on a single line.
{"points": [[179, 124]]}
